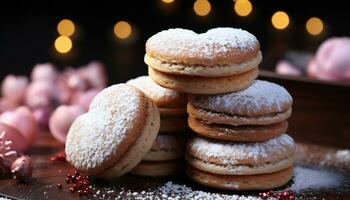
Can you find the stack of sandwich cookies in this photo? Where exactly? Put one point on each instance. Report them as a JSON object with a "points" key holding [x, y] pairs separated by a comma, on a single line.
{"points": [[248, 149], [167, 153], [218, 61]]}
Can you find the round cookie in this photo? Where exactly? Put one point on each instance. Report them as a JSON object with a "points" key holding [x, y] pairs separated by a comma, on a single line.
{"points": [[167, 147], [115, 134], [262, 103], [171, 104], [243, 182], [204, 85], [218, 52], [245, 133], [227, 158], [158, 169], [164, 98]]}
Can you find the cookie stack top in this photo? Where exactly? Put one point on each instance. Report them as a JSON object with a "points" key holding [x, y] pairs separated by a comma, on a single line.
{"points": [[218, 61]]}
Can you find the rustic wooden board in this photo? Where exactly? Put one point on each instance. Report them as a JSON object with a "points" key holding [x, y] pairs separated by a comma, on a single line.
{"points": [[319, 173], [320, 118]]}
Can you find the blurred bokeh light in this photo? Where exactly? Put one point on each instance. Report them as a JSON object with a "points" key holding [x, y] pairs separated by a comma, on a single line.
{"points": [[63, 44], [122, 29], [66, 27], [314, 26], [280, 20]]}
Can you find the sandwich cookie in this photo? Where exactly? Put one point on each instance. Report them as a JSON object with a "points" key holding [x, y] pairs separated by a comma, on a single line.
{"points": [[218, 61], [171, 104], [255, 114], [115, 134], [241, 166], [165, 157]]}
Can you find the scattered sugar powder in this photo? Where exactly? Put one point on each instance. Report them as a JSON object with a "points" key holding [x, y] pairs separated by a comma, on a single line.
{"points": [[259, 97], [172, 191], [343, 156], [312, 178]]}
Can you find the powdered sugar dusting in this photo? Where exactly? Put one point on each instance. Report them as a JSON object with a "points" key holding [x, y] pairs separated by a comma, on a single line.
{"points": [[260, 97], [153, 90], [96, 136], [185, 42], [234, 153], [169, 191]]}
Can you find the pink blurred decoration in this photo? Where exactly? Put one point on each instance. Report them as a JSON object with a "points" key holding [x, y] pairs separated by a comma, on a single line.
{"points": [[13, 88], [286, 68], [73, 88], [6, 105], [19, 142], [40, 94], [61, 120], [44, 72], [23, 120], [95, 74], [84, 98], [332, 60], [42, 115], [77, 83]]}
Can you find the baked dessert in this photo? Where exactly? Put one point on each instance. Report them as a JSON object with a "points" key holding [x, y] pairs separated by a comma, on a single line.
{"points": [[171, 104], [255, 114], [218, 61], [167, 153], [241, 166], [115, 134], [165, 158]]}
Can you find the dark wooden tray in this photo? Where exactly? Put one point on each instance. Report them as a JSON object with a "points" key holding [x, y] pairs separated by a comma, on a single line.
{"points": [[320, 172], [320, 125]]}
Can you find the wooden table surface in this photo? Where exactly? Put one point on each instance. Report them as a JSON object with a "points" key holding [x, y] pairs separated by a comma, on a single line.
{"points": [[313, 162], [320, 123]]}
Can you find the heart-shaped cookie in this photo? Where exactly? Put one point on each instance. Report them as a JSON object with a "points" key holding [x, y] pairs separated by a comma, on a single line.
{"points": [[227, 50], [221, 54], [115, 134]]}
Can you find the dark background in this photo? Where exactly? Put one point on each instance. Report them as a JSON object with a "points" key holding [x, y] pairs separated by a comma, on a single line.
{"points": [[28, 30]]}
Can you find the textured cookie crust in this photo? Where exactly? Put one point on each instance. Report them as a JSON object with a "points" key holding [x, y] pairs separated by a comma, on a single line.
{"points": [[248, 133], [139, 149], [218, 46], [210, 117], [167, 147], [158, 169], [237, 158], [116, 119], [261, 98], [200, 70], [243, 182], [163, 97], [204, 85]]}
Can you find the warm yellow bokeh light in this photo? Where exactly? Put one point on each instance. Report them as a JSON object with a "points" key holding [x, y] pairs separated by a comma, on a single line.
{"points": [[66, 27], [280, 20], [122, 29], [314, 26], [243, 7], [63, 44], [202, 7], [168, 1]]}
